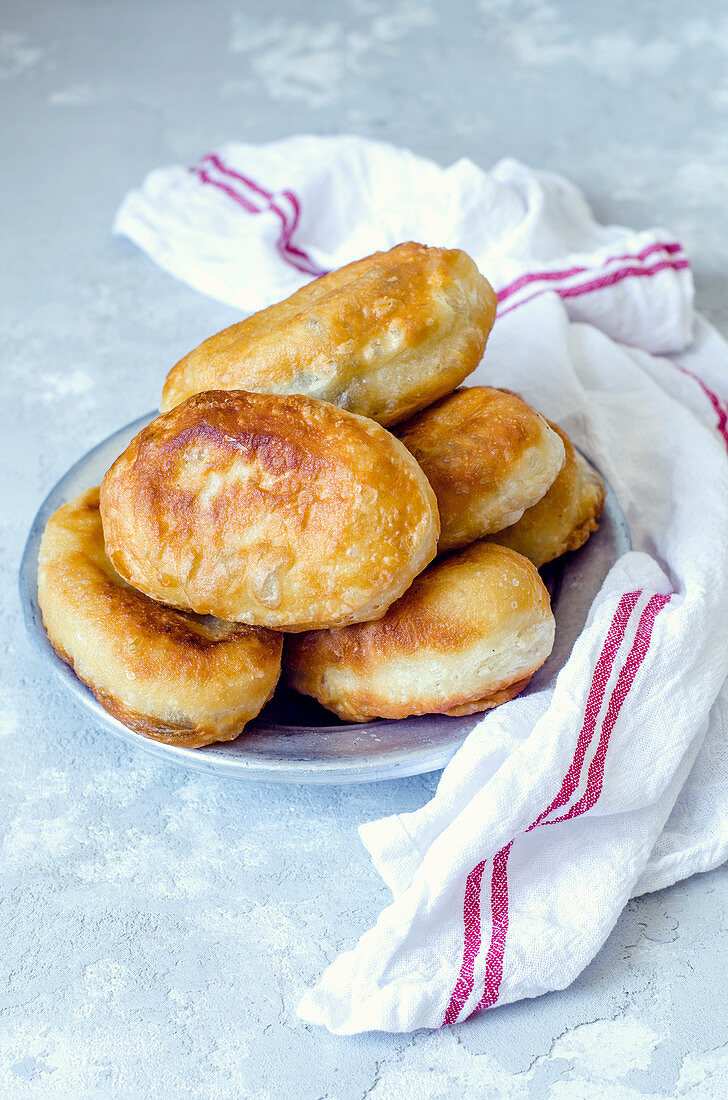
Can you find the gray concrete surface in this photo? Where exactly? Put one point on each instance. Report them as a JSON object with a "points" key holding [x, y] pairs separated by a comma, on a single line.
{"points": [[158, 927]]}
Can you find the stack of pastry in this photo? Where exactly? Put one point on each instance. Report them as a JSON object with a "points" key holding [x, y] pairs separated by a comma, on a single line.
{"points": [[307, 468]]}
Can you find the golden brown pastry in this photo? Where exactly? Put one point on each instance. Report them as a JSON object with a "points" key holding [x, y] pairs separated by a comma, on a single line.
{"points": [[276, 511], [488, 455], [168, 674], [468, 635], [565, 517], [383, 337]]}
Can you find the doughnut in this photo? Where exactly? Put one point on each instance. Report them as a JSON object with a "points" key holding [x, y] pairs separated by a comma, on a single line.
{"points": [[170, 675], [382, 337]]}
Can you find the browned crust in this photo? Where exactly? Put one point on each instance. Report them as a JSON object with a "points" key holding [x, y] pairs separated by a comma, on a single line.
{"points": [[488, 456], [188, 737], [580, 534], [277, 511], [124, 646], [492, 699], [169, 734], [481, 594], [565, 517], [363, 706], [437, 612], [383, 336]]}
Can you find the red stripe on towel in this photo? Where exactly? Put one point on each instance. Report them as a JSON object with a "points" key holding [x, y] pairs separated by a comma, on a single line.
{"points": [[471, 903], [670, 247], [595, 777], [499, 918], [205, 177], [602, 281], [471, 919], [720, 407], [637, 654], [602, 672], [293, 255]]}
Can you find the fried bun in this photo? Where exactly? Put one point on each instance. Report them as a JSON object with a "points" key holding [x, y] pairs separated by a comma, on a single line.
{"points": [[468, 635], [565, 517], [382, 337], [276, 511], [488, 455], [167, 674]]}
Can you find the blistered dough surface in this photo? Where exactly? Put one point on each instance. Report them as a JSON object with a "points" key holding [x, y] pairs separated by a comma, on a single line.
{"points": [[382, 337], [168, 674], [468, 635], [488, 455], [565, 517], [277, 511]]}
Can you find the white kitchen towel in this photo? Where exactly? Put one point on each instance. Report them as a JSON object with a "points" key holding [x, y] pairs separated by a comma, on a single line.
{"points": [[570, 799]]}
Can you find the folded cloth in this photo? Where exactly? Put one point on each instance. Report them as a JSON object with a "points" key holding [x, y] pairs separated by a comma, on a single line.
{"points": [[567, 801]]}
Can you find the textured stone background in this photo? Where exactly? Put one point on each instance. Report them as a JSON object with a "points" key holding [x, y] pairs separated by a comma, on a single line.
{"points": [[159, 927]]}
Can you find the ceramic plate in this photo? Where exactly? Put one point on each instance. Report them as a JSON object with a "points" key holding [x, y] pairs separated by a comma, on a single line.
{"points": [[293, 739]]}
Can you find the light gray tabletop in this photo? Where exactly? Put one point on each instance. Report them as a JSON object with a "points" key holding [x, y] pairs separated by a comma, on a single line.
{"points": [[159, 926]]}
